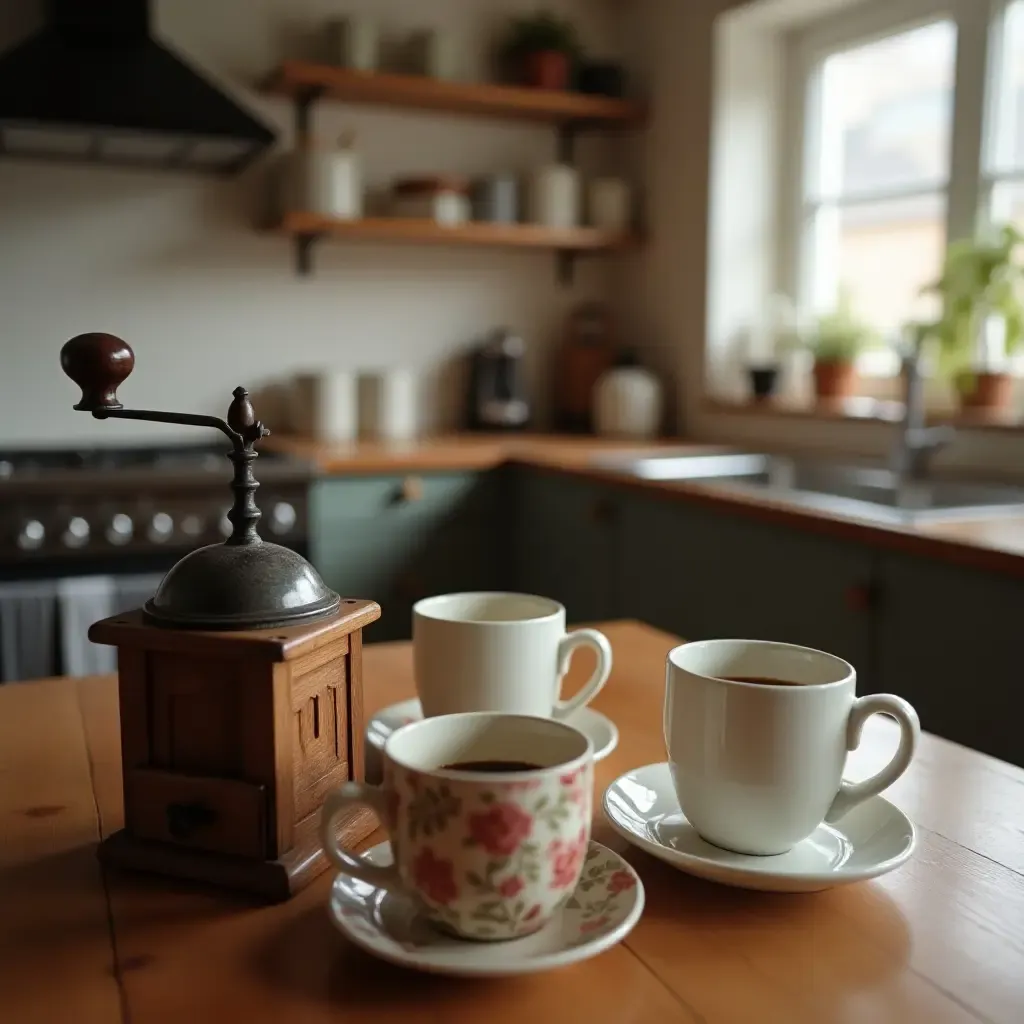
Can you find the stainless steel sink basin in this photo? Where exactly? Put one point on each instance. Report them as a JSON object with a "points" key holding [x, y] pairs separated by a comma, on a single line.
{"points": [[870, 491]]}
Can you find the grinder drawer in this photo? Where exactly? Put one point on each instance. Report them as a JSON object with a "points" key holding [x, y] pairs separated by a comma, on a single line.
{"points": [[222, 815]]}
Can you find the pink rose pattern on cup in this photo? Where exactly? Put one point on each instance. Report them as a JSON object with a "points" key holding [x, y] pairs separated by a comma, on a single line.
{"points": [[493, 860], [602, 900]]}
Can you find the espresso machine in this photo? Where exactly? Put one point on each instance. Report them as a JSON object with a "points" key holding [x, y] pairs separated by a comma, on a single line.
{"points": [[497, 397]]}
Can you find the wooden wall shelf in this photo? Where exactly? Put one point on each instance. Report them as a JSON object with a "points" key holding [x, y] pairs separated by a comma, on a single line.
{"points": [[309, 228], [305, 82], [567, 112]]}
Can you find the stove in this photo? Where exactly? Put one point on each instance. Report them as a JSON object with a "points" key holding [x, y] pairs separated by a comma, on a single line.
{"points": [[97, 509]]}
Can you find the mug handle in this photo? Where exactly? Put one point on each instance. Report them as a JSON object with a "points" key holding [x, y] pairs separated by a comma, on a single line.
{"points": [[852, 793], [568, 644], [339, 800]]}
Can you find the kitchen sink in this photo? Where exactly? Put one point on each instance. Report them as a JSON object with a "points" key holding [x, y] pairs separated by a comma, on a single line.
{"points": [[864, 490]]}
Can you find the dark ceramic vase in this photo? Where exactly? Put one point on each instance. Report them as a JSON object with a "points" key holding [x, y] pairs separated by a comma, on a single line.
{"points": [[763, 381]]}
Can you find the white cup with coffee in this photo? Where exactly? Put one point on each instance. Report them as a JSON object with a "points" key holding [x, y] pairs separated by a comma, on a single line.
{"points": [[757, 735], [493, 651]]}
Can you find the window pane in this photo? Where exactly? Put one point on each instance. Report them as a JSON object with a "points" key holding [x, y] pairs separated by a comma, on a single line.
{"points": [[886, 113], [1008, 102], [1008, 203], [882, 253]]}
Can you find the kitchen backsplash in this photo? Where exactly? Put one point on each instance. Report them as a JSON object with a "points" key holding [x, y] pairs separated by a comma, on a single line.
{"points": [[176, 265]]}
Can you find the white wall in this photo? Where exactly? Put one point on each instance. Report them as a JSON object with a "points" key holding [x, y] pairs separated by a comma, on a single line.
{"points": [[175, 265]]}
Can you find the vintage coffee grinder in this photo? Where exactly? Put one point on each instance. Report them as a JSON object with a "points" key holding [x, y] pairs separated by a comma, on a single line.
{"points": [[240, 684]]}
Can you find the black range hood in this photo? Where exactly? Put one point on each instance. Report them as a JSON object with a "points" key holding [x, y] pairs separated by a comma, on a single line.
{"points": [[95, 86]]}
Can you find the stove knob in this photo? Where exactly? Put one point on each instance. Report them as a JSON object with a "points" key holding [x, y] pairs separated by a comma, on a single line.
{"points": [[192, 527], [225, 526], [282, 518], [77, 532], [121, 529], [161, 526], [32, 535]]}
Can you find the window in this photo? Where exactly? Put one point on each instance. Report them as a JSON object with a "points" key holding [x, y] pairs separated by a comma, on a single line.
{"points": [[1004, 175], [903, 142], [877, 172]]}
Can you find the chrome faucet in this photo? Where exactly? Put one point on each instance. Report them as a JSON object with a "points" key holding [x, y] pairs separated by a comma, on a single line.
{"points": [[916, 442]]}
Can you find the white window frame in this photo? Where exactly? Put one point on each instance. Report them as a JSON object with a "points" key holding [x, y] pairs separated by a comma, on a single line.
{"points": [[970, 184]]}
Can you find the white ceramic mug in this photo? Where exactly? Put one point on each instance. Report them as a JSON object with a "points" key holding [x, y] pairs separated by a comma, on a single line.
{"points": [[758, 767], [486, 854], [499, 652]]}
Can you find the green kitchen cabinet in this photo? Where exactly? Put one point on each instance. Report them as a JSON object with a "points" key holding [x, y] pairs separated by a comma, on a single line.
{"points": [[565, 541], [949, 642], [395, 539], [701, 571]]}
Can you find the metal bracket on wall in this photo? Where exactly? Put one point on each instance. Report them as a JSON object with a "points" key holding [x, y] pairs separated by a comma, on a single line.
{"points": [[566, 265], [303, 102], [304, 253]]}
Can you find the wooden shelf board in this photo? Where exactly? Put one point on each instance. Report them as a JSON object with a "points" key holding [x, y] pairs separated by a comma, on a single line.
{"points": [[428, 232], [480, 99]]}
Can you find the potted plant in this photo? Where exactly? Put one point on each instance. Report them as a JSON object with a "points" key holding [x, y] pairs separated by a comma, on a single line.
{"points": [[835, 340], [539, 50], [772, 336], [982, 321]]}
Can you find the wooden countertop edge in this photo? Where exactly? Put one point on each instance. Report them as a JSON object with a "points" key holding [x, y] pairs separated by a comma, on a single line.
{"points": [[572, 455]]}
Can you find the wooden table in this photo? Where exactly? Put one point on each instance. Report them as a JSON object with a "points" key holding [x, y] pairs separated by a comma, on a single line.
{"points": [[940, 940]]}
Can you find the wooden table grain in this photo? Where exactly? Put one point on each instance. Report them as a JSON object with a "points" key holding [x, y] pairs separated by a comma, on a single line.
{"points": [[941, 940]]}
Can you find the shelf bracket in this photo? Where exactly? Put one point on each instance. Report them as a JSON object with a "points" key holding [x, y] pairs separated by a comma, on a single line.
{"points": [[303, 101], [567, 132], [304, 253], [566, 266]]}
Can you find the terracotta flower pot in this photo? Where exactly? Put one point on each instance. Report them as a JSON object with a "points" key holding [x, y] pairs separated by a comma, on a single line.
{"points": [[988, 391], [835, 380], [546, 69]]}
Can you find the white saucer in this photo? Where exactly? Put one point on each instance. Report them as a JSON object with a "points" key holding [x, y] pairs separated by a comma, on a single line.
{"points": [[872, 839], [600, 730], [388, 925]]}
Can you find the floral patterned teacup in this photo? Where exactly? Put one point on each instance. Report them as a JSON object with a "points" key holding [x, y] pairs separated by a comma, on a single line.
{"points": [[487, 854]]}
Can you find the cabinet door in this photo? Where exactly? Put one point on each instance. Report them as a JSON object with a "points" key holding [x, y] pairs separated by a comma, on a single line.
{"points": [[565, 543], [394, 539], [949, 641], [700, 572]]}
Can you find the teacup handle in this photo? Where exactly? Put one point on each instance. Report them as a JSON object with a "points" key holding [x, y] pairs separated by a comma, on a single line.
{"points": [[852, 793], [568, 644], [351, 864]]}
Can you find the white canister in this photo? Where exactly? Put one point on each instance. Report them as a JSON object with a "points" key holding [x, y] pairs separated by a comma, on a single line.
{"points": [[353, 42], [445, 200], [388, 405], [628, 402], [324, 405], [555, 196], [610, 205], [325, 181]]}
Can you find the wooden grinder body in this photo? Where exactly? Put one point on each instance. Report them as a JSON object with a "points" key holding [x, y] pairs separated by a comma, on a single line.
{"points": [[231, 740]]}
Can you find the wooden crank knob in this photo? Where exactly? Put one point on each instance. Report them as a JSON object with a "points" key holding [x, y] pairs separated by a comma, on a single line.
{"points": [[97, 363]]}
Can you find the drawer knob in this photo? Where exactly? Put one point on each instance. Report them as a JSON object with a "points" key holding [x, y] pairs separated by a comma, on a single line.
{"points": [[183, 820], [412, 488]]}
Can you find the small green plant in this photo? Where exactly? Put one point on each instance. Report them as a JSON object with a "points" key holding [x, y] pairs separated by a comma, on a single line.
{"points": [[839, 336], [981, 278], [538, 32]]}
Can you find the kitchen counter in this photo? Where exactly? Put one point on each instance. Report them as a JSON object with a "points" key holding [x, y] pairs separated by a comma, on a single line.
{"points": [[994, 543], [940, 941]]}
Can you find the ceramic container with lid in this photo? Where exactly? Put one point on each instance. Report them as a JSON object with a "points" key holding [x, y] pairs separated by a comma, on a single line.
{"points": [[628, 401], [442, 198]]}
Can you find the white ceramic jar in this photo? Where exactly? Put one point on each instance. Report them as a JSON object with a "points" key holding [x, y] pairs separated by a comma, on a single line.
{"points": [[555, 196], [610, 205], [628, 402], [388, 405], [353, 42], [324, 405], [325, 181]]}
